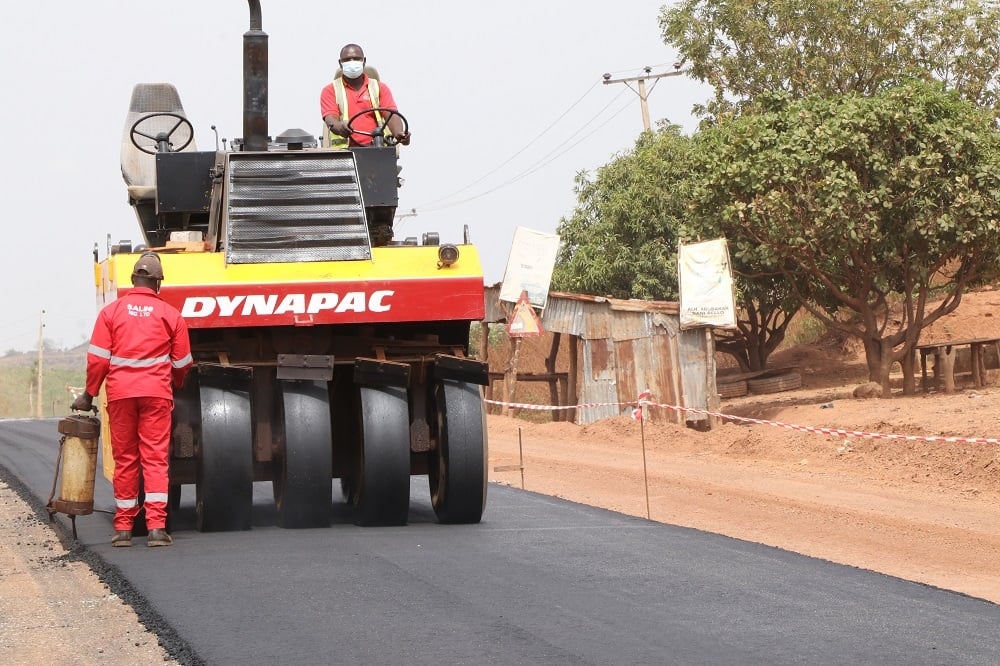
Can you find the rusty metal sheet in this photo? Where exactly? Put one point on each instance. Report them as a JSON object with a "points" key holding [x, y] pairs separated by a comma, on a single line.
{"points": [[629, 346], [496, 310], [650, 364], [698, 368], [565, 315], [597, 386], [635, 305]]}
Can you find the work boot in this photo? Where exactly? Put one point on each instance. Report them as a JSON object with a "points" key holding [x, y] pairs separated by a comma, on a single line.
{"points": [[122, 539], [158, 537]]}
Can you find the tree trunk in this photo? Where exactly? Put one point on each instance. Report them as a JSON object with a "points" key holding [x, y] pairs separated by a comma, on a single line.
{"points": [[879, 363], [909, 363]]}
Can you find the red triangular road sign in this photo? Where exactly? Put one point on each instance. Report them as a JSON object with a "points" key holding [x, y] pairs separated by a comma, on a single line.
{"points": [[523, 321]]}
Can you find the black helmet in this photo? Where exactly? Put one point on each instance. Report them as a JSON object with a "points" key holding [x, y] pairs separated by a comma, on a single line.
{"points": [[148, 266]]}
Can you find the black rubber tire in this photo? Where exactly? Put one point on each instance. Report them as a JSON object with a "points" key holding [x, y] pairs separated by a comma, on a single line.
{"points": [[458, 467], [174, 496], [787, 381], [381, 487], [303, 473], [732, 389], [225, 462]]}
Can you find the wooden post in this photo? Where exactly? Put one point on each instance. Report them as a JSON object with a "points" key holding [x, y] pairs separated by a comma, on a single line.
{"points": [[923, 369], [484, 356], [550, 367], [484, 345], [946, 357], [571, 394], [41, 350], [978, 366], [510, 375], [714, 401]]}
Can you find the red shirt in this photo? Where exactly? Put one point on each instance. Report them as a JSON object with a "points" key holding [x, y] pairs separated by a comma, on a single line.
{"points": [[140, 345], [357, 100]]}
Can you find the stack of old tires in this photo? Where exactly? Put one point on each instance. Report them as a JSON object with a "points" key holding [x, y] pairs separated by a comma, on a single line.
{"points": [[770, 381], [731, 387], [775, 382]]}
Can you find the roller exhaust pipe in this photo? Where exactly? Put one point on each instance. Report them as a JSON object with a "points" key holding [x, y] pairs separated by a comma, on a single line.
{"points": [[255, 82]]}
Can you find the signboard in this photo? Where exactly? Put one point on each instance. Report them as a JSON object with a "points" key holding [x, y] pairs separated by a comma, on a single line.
{"points": [[529, 267], [706, 285]]}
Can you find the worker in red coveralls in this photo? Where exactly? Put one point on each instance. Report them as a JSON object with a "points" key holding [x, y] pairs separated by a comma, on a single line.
{"points": [[140, 347]]}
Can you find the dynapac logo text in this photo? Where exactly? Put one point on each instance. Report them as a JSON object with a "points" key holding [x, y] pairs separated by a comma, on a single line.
{"points": [[270, 304]]}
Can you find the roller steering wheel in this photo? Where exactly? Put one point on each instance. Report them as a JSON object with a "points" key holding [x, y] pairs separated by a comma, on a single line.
{"points": [[377, 133], [161, 139]]}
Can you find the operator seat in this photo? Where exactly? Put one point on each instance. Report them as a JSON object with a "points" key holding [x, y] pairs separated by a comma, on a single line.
{"points": [[138, 168]]}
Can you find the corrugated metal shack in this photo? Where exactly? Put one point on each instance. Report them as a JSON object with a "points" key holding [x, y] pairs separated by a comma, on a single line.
{"points": [[620, 348]]}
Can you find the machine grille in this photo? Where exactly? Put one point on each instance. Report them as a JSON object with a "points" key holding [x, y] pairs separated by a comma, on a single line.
{"points": [[294, 206]]}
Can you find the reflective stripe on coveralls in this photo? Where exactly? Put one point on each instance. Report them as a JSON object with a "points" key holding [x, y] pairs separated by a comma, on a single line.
{"points": [[139, 362]]}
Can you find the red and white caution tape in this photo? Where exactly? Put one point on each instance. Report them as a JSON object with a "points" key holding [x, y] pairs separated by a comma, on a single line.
{"points": [[546, 408], [644, 397], [644, 401]]}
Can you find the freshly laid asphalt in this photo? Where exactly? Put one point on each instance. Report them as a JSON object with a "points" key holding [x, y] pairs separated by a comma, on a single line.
{"points": [[539, 581]]}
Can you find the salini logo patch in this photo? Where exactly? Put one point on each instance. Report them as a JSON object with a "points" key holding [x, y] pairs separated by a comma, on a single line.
{"points": [[140, 310]]}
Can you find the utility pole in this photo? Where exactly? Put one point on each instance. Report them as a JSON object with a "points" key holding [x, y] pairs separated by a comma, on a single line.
{"points": [[640, 80], [41, 347]]}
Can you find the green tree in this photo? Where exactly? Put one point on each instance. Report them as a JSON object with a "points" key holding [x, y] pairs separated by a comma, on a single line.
{"points": [[860, 201], [746, 49], [765, 307], [621, 239]]}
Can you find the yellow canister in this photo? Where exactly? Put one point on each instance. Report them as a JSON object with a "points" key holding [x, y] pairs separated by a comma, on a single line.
{"points": [[78, 462]]}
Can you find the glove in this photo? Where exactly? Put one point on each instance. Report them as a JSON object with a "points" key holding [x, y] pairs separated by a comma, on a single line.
{"points": [[339, 128], [83, 403]]}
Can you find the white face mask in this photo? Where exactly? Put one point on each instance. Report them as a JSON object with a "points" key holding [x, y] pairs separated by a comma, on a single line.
{"points": [[353, 68]]}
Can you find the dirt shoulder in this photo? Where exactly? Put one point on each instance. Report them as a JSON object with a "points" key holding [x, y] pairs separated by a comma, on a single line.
{"points": [[54, 609]]}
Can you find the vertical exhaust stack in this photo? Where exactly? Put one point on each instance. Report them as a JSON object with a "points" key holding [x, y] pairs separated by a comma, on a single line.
{"points": [[255, 82]]}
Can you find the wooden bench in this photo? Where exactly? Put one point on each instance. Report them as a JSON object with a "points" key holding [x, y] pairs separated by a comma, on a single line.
{"points": [[944, 361]]}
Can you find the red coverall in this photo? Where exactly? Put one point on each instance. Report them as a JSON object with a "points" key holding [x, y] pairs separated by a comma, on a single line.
{"points": [[139, 347]]}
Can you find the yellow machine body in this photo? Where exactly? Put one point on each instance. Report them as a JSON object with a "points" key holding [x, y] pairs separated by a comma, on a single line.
{"points": [[322, 348]]}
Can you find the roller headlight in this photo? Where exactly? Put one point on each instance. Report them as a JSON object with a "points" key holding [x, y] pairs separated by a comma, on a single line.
{"points": [[447, 255]]}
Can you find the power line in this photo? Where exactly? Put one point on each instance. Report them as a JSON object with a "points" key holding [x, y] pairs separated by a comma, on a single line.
{"points": [[538, 164], [541, 163], [429, 205]]}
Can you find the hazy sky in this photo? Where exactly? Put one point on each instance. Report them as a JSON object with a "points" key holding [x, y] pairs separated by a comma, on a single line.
{"points": [[504, 99]]}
